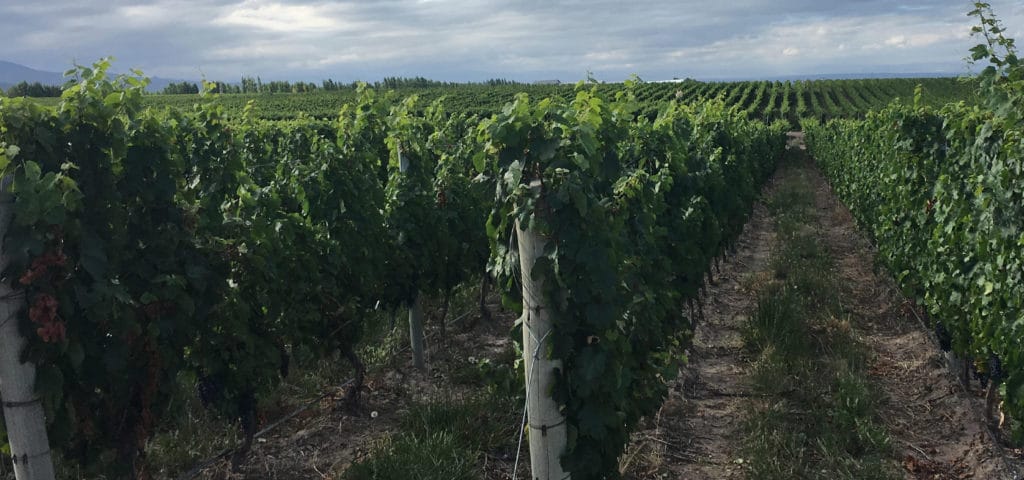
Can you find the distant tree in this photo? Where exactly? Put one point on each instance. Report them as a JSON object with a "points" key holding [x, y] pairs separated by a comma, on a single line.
{"points": [[276, 86], [413, 82], [220, 87], [249, 85], [182, 88], [495, 82], [34, 89]]}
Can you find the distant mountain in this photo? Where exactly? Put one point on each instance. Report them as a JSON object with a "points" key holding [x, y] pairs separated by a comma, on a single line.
{"points": [[12, 73]]}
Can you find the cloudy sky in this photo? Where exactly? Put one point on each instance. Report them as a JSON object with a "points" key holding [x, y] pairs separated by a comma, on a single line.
{"points": [[476, 40]]}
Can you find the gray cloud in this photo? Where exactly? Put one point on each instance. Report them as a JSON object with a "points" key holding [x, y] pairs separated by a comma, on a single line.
{"points": [[474, 40]]}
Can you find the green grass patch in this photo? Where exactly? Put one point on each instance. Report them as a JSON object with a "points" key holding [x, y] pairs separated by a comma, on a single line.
{"points": [[815, 415], [433, 456], [443, 439]]}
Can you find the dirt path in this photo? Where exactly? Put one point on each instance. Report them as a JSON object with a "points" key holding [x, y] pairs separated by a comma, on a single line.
{"points": [[696, 432], [937, 428]]}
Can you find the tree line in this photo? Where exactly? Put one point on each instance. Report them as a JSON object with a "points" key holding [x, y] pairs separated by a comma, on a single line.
{"points": [[34, 89], [257, 85]]}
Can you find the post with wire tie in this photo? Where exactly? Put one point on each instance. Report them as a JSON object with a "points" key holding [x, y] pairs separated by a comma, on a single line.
{"points": [[547, 429], [416, 308], [23, 411]]}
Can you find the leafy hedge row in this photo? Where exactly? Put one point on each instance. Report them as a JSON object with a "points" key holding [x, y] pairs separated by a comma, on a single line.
{"points": [[162, 249], [635, 211], [942, 192]]}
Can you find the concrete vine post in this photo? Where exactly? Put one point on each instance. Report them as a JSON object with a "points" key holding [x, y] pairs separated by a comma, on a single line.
{"points": [[416, 332], [547, 428], [23, 411], [416, 309]]}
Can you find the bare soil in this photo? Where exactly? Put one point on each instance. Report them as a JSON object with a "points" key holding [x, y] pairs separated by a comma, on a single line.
{"points": [[937, 426], [323, 441], [696, 432], [698, 429]]}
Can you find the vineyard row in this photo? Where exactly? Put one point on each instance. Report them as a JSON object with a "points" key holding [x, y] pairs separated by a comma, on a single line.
{"points": [[764, 100], [154, 245], [940, 190]]}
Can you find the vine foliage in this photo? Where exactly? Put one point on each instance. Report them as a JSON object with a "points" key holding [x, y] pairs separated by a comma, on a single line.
{"points": [[940, 192], [634, 212]]}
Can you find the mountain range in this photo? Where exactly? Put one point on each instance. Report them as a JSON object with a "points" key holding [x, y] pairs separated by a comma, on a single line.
{"points": [[12, 73]]}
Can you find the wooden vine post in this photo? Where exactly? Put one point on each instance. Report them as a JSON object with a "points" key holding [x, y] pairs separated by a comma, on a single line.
{"points": [[547, 429], [416, 309], [23, 411], [416, 332]]}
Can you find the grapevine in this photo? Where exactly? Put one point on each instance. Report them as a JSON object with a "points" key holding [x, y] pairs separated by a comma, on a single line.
{"points": [[939, 190]]}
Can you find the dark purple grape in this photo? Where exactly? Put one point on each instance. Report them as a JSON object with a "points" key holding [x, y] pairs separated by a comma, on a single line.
{"points": [[945, 339], [982, 376], [210, 390], [995, 368]]}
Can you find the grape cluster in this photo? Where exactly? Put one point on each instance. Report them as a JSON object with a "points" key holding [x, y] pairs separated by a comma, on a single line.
{"points": [[44, 313], [157, 309], [945, 339], [981, 374], [41, 266], [210, 389], [991, 370], [995, 368], [47, 271]]}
